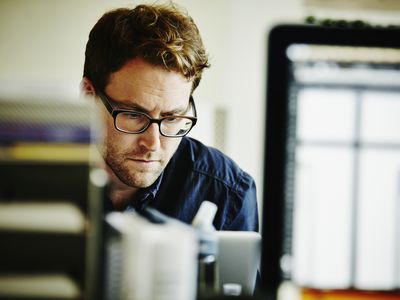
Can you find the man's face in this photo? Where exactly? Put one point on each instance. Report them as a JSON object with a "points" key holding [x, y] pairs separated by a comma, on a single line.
{"points": [[138, 159]]}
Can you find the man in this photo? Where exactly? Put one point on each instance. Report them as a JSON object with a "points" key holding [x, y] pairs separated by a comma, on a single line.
{"points": [[142, 65]]}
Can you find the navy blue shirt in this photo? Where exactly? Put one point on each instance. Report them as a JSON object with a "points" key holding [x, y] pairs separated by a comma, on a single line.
{"points": [[196, 173]]}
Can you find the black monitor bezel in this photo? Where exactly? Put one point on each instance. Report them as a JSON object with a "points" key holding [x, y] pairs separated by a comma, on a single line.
{"points": [[280, 38]]}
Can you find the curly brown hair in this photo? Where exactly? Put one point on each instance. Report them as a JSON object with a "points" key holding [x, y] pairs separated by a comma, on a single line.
{"points": [[163, 35]]}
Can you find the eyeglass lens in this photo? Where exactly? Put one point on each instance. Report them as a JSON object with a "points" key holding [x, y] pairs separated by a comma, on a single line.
{"points": [[138, 122]]}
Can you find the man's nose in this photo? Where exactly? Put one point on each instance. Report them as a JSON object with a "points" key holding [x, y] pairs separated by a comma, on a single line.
{"points": [[150, 139]]}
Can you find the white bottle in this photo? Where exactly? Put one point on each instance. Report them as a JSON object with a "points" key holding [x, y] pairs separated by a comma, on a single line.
{"points": [[208, 273]]}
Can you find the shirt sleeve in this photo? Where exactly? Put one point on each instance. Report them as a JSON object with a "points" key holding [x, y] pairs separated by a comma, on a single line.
{"points": [[246, 217]]}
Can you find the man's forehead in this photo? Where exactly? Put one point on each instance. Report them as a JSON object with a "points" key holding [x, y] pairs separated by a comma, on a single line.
{"points": [[151, 104]]}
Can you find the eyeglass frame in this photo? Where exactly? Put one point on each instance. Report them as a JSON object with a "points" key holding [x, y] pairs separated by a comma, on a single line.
{"points": [[115, 111]]}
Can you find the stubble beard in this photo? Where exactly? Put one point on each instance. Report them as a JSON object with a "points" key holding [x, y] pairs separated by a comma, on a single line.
{"points": [[119, 164], [130, 176]]}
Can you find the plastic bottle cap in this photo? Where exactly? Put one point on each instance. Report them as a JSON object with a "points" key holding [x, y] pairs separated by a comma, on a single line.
{"points": [[205, 215]]}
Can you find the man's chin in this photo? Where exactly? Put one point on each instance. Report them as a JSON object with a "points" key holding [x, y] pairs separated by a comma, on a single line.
{"points": [[134, 177], [141, 181]]}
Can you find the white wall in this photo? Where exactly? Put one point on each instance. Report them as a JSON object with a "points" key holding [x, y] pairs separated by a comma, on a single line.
{"points": [[235, 34], [42, 46]]}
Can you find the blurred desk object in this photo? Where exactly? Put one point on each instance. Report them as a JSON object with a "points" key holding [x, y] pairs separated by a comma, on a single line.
{"points": [[149, 258], [239, 260], [50, 201]]}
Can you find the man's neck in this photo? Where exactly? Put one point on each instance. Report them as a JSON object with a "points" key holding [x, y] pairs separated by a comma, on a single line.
{"points": [[119, 193], [120, 196]]}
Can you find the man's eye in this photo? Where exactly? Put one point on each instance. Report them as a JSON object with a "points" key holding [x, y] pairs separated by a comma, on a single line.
{"points": [[171, 119], [135, 116]]}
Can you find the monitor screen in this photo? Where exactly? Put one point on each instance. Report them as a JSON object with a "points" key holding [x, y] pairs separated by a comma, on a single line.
{"points": [[332, 159]]}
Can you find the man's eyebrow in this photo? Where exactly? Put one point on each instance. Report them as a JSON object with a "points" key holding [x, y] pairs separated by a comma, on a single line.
{"points": [[177, 111]]}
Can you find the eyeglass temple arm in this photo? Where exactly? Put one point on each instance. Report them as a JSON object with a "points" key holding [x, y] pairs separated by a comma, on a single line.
{"points": [[105, 101], [194, 106]]}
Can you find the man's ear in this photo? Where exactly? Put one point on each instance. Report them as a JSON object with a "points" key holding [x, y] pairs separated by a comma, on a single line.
{"points": [[87, 87]]}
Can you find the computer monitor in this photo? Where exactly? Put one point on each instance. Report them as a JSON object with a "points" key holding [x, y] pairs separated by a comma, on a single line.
{"points": [[332, 158]]}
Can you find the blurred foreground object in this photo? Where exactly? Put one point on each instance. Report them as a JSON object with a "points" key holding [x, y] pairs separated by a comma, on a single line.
{"points": [[208, 269], [332, 160], [50, 201], [149, 258]]}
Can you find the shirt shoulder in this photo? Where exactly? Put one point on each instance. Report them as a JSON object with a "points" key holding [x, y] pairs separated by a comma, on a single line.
{"points": [[214, 164], [198, 172]]}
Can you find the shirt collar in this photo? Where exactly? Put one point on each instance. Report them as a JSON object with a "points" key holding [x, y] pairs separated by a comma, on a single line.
{"points": [[145, 195]]}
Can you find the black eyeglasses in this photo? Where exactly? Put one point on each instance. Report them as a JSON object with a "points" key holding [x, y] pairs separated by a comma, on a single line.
{"points": [[130, 121]]}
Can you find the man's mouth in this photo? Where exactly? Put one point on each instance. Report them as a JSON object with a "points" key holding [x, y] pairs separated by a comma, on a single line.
{"points": [[143, 160]]}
